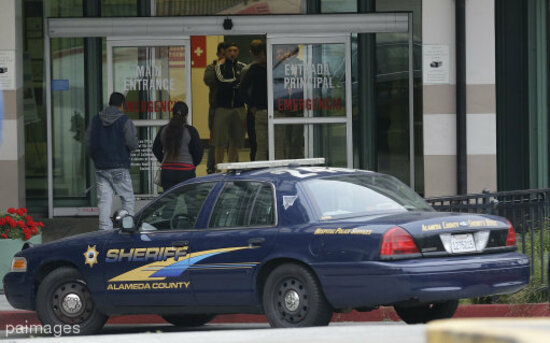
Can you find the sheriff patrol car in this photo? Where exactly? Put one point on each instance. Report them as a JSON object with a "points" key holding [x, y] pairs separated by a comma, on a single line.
{"points": [[285, 238]]}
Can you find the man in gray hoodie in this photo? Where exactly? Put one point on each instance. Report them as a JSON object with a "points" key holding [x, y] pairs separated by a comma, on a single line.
{"points": [[110, 138]]}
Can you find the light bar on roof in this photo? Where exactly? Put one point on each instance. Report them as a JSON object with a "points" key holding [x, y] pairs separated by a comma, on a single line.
{"points": [[271, 164]]}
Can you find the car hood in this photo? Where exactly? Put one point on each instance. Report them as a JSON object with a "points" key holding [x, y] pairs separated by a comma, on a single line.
{"points": [[67, 242]]}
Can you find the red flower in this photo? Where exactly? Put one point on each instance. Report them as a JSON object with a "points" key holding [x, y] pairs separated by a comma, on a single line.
{"points": [[4, 235], [12, 224], [34, 230], [24, 210], [11, 210]]}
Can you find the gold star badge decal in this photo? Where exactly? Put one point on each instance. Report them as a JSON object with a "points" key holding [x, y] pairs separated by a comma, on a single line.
{"points": [[90, 256]]}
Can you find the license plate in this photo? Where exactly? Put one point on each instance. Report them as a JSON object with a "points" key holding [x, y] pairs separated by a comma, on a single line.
{"points": [[462, 243]]}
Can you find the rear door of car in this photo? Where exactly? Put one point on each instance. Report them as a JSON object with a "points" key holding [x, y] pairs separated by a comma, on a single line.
{"points": [[240, 232]]}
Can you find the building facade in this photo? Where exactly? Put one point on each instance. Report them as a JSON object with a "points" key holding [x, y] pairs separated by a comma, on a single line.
{"points": [[450, 96]]}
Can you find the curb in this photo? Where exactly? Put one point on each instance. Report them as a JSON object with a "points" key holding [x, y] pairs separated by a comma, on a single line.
{"points": [[490, 330], [380, 314]]}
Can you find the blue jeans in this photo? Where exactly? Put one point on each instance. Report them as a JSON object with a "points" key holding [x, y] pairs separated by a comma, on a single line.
{"points": [[109, 182]]}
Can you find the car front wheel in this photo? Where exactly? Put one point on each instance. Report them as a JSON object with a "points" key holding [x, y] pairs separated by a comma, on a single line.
{"points": [[64, 303], [293, 298], [427, 312], [188, 320]]}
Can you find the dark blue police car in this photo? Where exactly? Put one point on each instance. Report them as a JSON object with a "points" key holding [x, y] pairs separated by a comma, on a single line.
{"points": [[296, 243]]}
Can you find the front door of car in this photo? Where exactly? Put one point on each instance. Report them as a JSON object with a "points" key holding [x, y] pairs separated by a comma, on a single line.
{"points": [[150, 267], [241, 231]]}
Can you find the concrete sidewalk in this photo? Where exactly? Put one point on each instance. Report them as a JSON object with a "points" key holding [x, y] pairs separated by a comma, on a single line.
{"points": [[490, 330]]}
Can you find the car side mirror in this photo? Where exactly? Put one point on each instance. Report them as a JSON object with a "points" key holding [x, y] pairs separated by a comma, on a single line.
{"points": [[128, 224], [124, 221]]}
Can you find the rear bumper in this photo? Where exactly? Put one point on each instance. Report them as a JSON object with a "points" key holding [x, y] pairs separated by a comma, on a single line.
{"points": [[371, 283], [19, 291]]}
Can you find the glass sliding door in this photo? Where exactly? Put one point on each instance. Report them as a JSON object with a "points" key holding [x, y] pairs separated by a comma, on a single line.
{"points": [[68, 129], [309, 89], [153, 75]]}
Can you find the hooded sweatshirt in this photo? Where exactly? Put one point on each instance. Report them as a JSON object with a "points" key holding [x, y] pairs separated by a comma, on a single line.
{"points": [[110, 138]]}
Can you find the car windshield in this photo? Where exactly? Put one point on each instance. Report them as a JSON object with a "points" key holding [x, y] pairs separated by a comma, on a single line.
{"points": [[359, 194]]}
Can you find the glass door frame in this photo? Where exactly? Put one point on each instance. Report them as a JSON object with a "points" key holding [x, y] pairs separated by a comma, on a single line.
{"points": [[308, 122]]}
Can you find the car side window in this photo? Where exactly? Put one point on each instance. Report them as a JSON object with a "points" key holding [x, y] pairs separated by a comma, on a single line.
{"points": [[234, 205], [177, 210]]}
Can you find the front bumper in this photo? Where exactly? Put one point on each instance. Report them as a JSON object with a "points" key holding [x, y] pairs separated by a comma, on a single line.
{"points": [[423, 280], [19, 291]]}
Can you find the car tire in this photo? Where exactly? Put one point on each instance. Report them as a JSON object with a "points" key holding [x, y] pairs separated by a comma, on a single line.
{"points": [[63, 299], [293, 297], [424, 313], [188, 320]]}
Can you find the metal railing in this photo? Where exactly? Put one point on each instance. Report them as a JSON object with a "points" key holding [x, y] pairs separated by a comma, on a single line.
{"points": [[527, 210]]}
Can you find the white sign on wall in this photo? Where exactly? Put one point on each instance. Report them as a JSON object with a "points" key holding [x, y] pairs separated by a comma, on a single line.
{"points": [[7, 69], [435, 64]]}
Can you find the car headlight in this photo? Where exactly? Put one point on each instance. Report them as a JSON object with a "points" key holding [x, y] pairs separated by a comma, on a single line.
{"points": [[19, 264]]}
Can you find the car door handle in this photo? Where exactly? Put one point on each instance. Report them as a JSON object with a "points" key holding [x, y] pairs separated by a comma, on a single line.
{"points": [[256, 242], [178, 244]]}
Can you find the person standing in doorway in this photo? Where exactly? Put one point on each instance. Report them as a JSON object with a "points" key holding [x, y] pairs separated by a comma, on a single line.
{"points": [[109, 140], [178, 147], [211, 81], [254, 92], [230, 114]]}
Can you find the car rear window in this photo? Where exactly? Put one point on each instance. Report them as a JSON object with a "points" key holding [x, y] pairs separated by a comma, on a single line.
{"points": [[362, 194]]}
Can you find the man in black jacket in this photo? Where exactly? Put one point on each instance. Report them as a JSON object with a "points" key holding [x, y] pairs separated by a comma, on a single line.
{"points": [[230, 114], [254, 92], [110, 138]]}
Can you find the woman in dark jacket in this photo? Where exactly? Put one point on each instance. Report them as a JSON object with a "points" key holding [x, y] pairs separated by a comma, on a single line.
{"points": [[178, 147]]}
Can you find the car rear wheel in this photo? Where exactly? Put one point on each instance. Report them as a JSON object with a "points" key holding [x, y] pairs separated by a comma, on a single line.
{"points": [[293, 298], [188, 320], [64, 299], [425, 313]]}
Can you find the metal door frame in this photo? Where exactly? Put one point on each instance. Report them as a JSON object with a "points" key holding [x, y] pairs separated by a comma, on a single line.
{"points": [[147, 28], [308, 122]]}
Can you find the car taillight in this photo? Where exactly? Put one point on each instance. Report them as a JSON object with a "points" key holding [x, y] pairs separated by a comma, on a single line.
{"points": [[397, 241], [511, 238]]}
